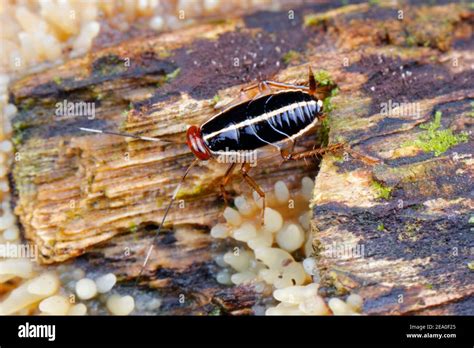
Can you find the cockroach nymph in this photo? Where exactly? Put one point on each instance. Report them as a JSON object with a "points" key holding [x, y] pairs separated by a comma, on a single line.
{"points": [[278, 113]]}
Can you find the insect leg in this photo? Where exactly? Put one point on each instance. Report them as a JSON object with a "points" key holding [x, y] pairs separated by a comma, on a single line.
{"points": [[226, 180], [253, 184], [286, 155], [280, 85], [247, 93], [332, 148]]}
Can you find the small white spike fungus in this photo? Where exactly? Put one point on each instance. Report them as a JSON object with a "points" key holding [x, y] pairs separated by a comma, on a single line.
{"points": [[273, 259]]}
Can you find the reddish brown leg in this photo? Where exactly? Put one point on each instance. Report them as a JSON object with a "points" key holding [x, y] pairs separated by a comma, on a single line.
{"points": [[332, 148], [267, 86], [271, 85], [286, 155], [226, 180], [253, 184]]}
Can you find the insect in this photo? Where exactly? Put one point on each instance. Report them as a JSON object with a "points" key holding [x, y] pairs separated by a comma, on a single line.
{"points": [[276, 115]]}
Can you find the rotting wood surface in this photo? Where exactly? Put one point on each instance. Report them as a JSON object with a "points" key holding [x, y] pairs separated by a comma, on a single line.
{"points": [[102, 196]]}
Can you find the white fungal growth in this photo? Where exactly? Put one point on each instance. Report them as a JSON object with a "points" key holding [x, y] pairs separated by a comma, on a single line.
{"points": [[272, 220], [339, 307], [245, 232], [310, 266], [220, 231], [44, 285], [30, 293], [55, 305], [314, 305], [11, 234], [284, 309], [219, 259], [269, 260], [244, 206], [232, 216], [119, 305], [296, 294], [305, 220], [273, 257], [282, 193], [78, 309], [105, 283], [242, 277], [355, 302], [292, 274], [307, 187], [86, 289], [11, 268], [290, 237], [239, 261], [223, 277], [263, 239]]}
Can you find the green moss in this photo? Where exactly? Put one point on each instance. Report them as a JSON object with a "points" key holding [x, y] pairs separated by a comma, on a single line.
{"points": [[383, 192], [325, 131], [374, 2], [437, 140], [381, 227], [215, 311], [314, 20], [411, 40], [73, 214], [57, 80], [172, 75], [159, 202], [323, 77], [26, 104], [196, 190], [164, 54], [291, 56], [215, 99], [17, 139], [109, 65], [471, 220], [133, 228], [325, 124], [470, 265], [20, 126]]}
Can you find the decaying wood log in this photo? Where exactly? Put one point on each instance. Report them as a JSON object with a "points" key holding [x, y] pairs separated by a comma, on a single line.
{"points": [[103, 197]]}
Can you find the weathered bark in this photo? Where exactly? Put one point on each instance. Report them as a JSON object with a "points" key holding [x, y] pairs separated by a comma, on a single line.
{"points": [[76, 193]]}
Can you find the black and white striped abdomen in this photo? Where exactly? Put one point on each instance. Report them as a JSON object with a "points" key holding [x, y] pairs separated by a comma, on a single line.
{"points": [[264, 121]]}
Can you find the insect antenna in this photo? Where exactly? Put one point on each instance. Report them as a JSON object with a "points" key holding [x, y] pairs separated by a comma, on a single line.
{"points": [[128, 135], [173, 198]]}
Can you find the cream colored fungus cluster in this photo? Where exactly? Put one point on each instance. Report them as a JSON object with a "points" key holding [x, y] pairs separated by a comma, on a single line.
{"points": [[35, 31], [63, 290], [277, 253]]}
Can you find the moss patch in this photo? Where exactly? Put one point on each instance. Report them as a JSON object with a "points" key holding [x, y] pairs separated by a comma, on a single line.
{"points": [[324, 78], [172, 75], [194, 191], [383, 191], [435, 139], [291, 56]]}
